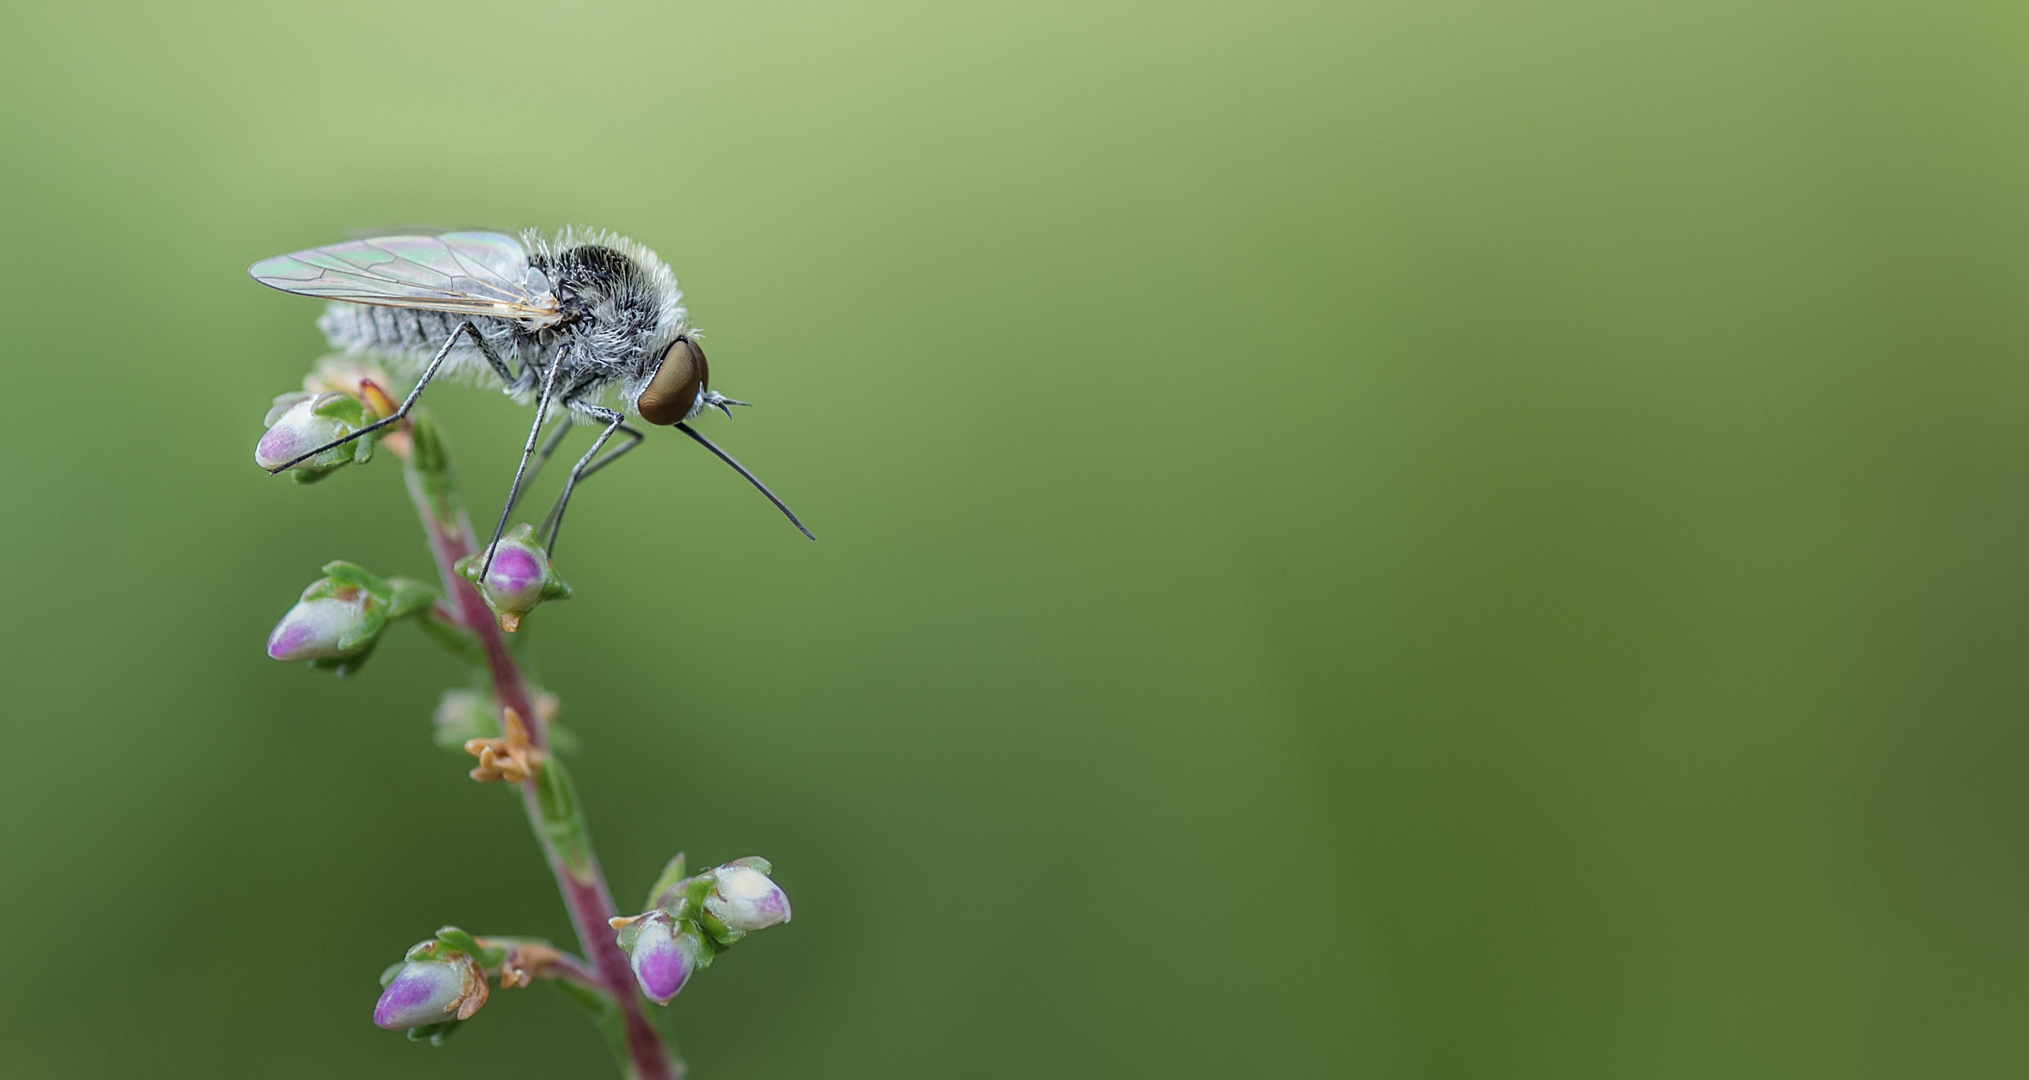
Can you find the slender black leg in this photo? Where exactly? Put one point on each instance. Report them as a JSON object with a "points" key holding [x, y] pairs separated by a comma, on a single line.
{"points": [[542, 457], [613, 420], [429, 373], [751, 478], [542, 408], [548, 527], [498, 365]]}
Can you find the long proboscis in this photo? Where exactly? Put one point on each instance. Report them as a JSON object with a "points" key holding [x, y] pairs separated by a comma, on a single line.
{"points": [[751, 478]]}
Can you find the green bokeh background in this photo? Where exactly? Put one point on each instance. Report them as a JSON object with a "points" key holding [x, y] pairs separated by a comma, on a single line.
{"points": [[1366, 539]]}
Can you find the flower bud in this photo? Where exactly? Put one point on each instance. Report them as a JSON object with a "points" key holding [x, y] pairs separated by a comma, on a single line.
{"points": [[298, 423], [341, 616], [744, 898], [321, 627], [664, 953], [440, 987], [519, 578]]}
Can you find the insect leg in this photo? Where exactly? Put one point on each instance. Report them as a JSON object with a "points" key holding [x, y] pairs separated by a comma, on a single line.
{"points": [[555, 520], [498, 365], [548, 526], [408, 403], [542, 456], [542, 407]]}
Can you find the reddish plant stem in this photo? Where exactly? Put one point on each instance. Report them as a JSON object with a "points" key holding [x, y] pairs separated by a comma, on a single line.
{"points": [[586, 894]]}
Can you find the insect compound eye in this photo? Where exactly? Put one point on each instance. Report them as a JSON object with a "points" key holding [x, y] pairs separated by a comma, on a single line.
{"points": [[673, 392]]}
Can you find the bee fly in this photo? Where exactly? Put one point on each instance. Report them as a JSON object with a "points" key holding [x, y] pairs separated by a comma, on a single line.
{"points": [[578, 324]]}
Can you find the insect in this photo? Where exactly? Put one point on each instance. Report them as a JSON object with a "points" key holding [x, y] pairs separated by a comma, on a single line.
{"points": [[588, 325]]}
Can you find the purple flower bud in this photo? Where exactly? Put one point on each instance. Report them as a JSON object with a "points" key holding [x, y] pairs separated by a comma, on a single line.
{"points": [[431, 991], [317, 626], [519, 578], [299, 423], [745, 899], [664, 954]]}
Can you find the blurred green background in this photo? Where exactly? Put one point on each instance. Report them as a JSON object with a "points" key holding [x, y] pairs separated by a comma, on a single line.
{"points": [[1364, 539]]}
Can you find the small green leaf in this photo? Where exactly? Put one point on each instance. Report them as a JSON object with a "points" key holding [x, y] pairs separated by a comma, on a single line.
{"points": [[557, 802]]}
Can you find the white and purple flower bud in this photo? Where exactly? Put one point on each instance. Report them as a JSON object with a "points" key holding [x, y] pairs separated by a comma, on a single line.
{"points": [[664, 953], [520, 576], [341, 616], [433, 990], [744, 898], [302, 422], [323, 627]]}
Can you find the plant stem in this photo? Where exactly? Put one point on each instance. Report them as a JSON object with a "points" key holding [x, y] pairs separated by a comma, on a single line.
{"points": [[548, 797]]}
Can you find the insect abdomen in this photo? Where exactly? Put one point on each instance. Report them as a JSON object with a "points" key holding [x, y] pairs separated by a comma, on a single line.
{"points": [[406, 338]]}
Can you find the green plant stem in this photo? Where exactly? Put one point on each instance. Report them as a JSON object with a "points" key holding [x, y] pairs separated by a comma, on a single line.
{"points": [[548, 797]]}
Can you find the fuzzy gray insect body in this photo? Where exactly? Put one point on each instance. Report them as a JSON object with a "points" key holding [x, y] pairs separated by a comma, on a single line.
{"points": [[588, 325], [622, 310]]}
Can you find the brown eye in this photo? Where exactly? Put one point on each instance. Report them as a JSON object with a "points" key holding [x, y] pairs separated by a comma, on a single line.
{"points": [[674, 391]]}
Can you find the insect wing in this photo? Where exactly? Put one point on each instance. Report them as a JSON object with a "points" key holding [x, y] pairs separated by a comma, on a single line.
{"points": [[466, 273]]}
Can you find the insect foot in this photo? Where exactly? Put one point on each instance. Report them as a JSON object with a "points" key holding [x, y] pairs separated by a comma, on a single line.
{"points": [[519, 578], [340, 617], [303, 421], [690, 920]]}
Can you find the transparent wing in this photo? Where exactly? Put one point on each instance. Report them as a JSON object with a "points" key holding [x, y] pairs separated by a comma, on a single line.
{"points": [[467, 273]]}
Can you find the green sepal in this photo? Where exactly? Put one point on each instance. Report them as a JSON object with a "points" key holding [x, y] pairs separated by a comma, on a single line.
{"points": [[374, 620], [388, 974], [352, 573], [755, 862], [719, 933], [302, 475], [628, 935], [347, 410], [435, 1033], [341, 407], [456, 940], [342, 666], [672, 873]]}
